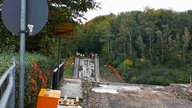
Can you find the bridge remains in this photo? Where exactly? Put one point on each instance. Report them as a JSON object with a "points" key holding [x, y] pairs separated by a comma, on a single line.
{"points": [[87, 69]]}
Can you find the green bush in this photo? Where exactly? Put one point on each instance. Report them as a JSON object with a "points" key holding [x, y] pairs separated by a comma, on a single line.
{"points": [[154, 74], [43, 62], [5, 61], [138, 63], [108, 74], [68, 72], [105, 72], [118, 60]]}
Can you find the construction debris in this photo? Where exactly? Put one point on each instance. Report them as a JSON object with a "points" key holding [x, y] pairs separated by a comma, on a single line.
{"points": [[122, 95], [69, 101], [71, 88]]}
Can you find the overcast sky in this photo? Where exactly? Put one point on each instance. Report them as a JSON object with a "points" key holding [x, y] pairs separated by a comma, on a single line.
{"points": [[118, 6]]}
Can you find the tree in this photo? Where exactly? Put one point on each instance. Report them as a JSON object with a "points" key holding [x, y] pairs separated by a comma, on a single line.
{"points": [[97, 37], [71, 9], [185, 41], [140, 46], [150, 29]]}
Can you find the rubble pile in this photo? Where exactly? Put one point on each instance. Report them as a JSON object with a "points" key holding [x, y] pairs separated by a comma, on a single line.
{"points": [[177, 91], [173, 96]]}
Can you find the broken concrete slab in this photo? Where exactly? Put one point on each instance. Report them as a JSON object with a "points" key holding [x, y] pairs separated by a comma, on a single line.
{"points": [[77, 81], [113, 89], [71, 88]]}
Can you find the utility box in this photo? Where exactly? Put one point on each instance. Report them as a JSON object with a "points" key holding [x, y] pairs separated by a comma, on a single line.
{"points": [[48, 98]]}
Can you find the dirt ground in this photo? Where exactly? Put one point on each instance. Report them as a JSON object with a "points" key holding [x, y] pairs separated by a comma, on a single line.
{"points": [[122, 95]]}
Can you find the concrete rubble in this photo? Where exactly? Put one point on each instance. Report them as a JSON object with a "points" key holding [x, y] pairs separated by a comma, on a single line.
{"points": [[114, 88], [138, 96], [71, 88]]}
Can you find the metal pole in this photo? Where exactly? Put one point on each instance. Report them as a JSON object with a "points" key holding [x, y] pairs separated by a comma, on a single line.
{"points": [[22, 53]]}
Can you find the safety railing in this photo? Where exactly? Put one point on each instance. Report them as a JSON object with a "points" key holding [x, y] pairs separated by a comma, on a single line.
{"points": [[57, 75], [7, 87]]}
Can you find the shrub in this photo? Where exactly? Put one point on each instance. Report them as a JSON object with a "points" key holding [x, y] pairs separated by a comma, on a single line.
{"points": [[118, 60], [44, 63], [154, 74], [69, 66], [138, 63], [128, 63], [5, 62]]}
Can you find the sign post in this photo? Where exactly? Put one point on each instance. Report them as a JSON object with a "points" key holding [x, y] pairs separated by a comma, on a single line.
{"points": [[23, 17], [22, 53], [61, 31]]}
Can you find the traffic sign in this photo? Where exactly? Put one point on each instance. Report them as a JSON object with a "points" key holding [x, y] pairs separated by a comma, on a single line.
{"points": [[37, 15], [64, 30]]}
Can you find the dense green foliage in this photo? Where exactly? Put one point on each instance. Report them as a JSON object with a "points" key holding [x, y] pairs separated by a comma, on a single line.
{"points": [[153, 46], [108, 75], [5, 62], [68, 72], [43, 62]]}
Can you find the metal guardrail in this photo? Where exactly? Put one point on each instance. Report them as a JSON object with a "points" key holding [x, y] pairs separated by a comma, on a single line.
{"points": [[57, 75], [7, 87]]}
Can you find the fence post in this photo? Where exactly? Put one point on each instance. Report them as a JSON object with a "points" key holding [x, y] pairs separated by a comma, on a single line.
{"points": [[76, 68], [54, 80], [97, 73], [57, 75], [12, 77], [61, 71]]}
